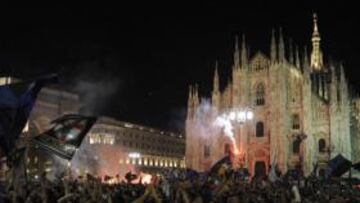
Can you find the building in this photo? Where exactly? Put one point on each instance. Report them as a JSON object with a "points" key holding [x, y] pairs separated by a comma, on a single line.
{"points": [[118, 147], [111, 147], [302, 111]]}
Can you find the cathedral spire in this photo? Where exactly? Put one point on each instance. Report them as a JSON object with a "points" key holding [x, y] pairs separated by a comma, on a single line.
{"points": [[216, 88], [196, 95], [190, 103], [190, 97], [291, 53], [236, 54], [244, 57], [273, 47], [316, 53], [297, 57], [281, 47], [305, 58]]}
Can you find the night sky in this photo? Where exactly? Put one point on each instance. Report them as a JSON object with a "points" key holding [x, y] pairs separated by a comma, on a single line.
{"points": [[135, 62]]}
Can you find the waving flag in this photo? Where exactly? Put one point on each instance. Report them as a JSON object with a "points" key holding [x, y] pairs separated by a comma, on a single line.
{"points": [[337, 166], [16, 102], [66, 135], [225, 162]]}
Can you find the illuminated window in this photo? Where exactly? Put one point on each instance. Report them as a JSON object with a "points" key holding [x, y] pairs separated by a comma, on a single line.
{"points": [[175, 164], [145, 161], [121, 161], [171, 164], [94, 138], [260, 95], [108, 139], [127, 161], [156, 162], [166, 163], [133, 161], [150, 162]]}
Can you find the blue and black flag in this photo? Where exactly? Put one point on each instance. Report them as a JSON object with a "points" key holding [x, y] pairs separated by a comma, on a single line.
{"points": [[65, 135], [16, 102]]}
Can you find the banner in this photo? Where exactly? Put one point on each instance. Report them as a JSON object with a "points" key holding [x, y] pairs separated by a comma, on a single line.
{"points": [[338, 166], [16, 103], [66, 135]]}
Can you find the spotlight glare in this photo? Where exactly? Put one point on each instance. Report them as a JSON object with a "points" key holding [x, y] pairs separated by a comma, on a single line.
{"points": [[232, 116], [250, 115]]}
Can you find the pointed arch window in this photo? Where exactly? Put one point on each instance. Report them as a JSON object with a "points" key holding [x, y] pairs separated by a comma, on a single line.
{"points": [[295, 121], [259, 129], [260, 94], [322, 145], [296, 146]]}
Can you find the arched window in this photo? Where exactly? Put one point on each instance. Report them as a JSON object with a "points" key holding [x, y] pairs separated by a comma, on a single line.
{"points": [[295, 121], [322, 145], [296, 146], [259, 129], [260, 94]]}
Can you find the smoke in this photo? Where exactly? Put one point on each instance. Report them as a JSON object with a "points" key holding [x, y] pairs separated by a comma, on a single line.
{"points": [[224, 122], [85, 159], [201, 124], [96, 94], [207, 124]]}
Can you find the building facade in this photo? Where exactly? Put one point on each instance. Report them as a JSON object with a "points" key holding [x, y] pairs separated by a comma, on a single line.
{"points": [[119, 147], [301, 105]]}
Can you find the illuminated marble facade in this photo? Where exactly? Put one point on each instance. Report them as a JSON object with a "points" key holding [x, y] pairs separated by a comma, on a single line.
{"points": [[302, 110]]}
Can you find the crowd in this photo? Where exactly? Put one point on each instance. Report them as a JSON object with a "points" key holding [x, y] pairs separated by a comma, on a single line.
{"points": [[185, 186]]}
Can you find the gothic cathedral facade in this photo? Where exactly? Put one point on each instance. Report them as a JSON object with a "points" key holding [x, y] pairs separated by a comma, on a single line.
{"points": [[303, 111]]}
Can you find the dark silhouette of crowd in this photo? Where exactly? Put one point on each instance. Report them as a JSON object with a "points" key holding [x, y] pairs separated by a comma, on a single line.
{"points": [[186, 186]]}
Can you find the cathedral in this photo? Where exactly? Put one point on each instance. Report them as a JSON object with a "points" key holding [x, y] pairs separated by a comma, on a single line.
{"points": [[302, 111]]}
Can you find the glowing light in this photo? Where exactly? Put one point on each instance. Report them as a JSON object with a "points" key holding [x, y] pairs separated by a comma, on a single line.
{"points": [[134, 155], [249, 115], [146, 179], [232, 116], [241, 116], [145, 162]]}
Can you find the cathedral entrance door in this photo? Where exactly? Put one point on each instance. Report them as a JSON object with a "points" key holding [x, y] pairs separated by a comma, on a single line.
{"points": [[260, 169]]}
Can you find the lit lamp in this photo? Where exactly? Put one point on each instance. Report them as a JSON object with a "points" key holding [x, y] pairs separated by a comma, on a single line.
{"points": [[241, 116]]}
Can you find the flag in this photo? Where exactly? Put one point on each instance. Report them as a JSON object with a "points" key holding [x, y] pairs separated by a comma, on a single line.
{"points": [[356, 166], [224, 162], [338, 166], [65, 135], [16, 102]]}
